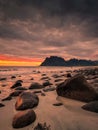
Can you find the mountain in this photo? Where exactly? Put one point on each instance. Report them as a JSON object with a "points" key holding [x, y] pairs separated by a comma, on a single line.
{"points": [[59, 61], [53, 61]]}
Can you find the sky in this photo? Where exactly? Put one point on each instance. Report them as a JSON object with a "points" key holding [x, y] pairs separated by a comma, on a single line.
{"points": [[31, 30]]}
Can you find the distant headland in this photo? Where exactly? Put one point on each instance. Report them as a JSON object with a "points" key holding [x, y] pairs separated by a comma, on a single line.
{"points": [[59, 61]]}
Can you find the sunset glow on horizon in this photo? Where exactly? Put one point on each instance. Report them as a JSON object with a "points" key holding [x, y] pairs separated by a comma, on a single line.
{"points": [[18, 61]]}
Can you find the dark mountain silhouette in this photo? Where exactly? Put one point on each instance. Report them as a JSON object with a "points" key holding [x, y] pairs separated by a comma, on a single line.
{"points": [[59, 61]]}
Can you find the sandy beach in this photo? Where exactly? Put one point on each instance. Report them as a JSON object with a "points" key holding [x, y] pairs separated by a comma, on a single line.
{"points": [[69, 116]]}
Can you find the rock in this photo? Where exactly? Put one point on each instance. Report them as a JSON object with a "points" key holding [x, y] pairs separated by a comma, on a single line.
{"points": [[46, 83], [2, 105], [32, 79], [4, 85], [77, 88], [92, 106], [20, 88], [55, 76], [19, 81], [58, 104], [43, 94], [7, 98], [58, 80], [35, 85], [45, 78], [13, 77], [42, 127], [23, 119], [1, 79], [17, 84], [26, 100], [16, 93], [68, 75], [49, 89], [37, 92], [43, 74]]}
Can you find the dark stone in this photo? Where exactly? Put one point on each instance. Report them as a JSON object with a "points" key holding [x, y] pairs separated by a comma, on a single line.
{"points": [[16, 93], [17, 84], [37, 91], [58, 80], [43, 74], [45, 78], [47, 83], [4, 85], [58, 104], [20, 88], [23, 119], [49, 89], [35, 85], [7, 98], [1, 79], [2, 105], [19, 81], [55, 76], [68, 75], [13, 77], [26, 100], [77, 88], [92, 106], [42, 127], [43, 94], [32, 79]]}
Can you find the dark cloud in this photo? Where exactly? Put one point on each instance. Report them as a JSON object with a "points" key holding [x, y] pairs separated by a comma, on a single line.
{"points": [[45, 27]]}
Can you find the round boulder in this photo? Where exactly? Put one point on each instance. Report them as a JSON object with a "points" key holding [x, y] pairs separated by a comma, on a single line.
{"points": [[23, 119], [35, 85], [77, 88], [26, 100]]}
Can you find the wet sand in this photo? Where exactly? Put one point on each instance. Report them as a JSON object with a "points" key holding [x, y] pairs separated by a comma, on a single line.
{"points": [[69, 116]]}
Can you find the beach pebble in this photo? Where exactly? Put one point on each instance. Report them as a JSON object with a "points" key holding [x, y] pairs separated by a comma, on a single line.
{"points": [[2, 105], [47, 89], [46, 83], [13, 77], [17, 84], [45, 78], [23, 119], [37, 91], [26, 100], [4, 85], [1, 79], [35, 85], [7, 98], [58, 80], [68, 75], [92, 106], [16, 93], [20, 88], [58, 104], [32, 79], [43, 94], [41, 126]]}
